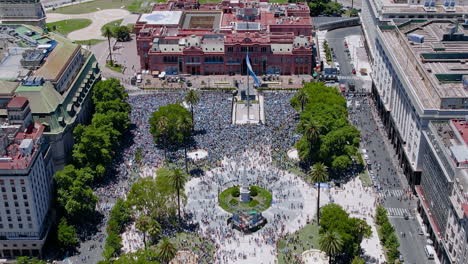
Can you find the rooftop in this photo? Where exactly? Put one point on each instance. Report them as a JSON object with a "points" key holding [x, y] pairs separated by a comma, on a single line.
{"points": [[433, 55], [21, 147], [17, 102], [170, 28]]}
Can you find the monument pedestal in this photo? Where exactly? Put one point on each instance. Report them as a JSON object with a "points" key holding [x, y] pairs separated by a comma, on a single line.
{"points": [[245, 194]]}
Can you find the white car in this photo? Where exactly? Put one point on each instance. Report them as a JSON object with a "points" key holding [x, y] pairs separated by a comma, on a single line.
{"points": [[366, 157], [363, 151]]}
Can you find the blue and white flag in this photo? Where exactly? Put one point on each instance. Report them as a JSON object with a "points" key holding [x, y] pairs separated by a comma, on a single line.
{"points": [[251, 72]]}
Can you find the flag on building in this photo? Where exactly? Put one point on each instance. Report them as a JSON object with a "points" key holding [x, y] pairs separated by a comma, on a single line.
{"points": [[251, 72]]}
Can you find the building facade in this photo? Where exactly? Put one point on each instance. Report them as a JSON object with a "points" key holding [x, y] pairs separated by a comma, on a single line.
{"points": [[26, 183], [206, 39], [418, 52], [57, 77], [443, 193], [29, 12]]}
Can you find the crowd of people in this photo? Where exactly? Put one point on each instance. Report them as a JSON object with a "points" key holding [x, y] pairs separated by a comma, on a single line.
{"points": [[290, 209], [213, 133]]}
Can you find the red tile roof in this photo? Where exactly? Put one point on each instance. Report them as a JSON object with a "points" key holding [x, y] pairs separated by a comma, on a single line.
{"points": [[17, 102]]}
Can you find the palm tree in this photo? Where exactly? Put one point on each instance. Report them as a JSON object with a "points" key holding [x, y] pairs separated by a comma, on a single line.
{"points": [[311, 131], [162, 126], [178, 180], [192, 99], [183, 127], [330, 243], [108, 34], [318, 174], [166, 250], [302, 98], [147, 224]]}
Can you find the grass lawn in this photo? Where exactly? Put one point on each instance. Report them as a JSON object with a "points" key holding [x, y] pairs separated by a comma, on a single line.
{"points": [[112, 25], [115, 67], [294, 244], [365, 178], [89, 41], [88, 7], [259, 203], [66, 26], [192, 242]]}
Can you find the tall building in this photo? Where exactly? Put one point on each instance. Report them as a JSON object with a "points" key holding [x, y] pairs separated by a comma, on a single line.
{"points": [[443, 193], [55, 74], [25, 182], [29, 12], [202, 39], [418, 52]]}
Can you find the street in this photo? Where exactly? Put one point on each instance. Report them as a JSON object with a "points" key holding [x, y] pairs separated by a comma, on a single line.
{"points": [[394, 193]]}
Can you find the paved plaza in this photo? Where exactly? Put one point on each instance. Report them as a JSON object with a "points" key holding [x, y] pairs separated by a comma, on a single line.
{"points": [[294, 203]]}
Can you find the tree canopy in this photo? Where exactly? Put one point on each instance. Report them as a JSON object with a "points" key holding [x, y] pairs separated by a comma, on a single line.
{"points": [[328, 136], [351, 230], [171, 125]]}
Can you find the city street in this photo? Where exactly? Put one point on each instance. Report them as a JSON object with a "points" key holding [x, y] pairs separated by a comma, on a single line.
{"points": [[384, 170]]}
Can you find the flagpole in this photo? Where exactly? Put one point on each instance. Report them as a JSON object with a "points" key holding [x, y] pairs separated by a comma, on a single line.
{"points": [[248, 91]]}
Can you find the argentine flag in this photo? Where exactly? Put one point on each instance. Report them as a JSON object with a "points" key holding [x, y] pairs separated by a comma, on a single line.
{"points": [[251, 72]]}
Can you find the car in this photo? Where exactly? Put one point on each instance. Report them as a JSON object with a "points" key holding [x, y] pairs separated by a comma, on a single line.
{"points": [[366, 157], [139, 78], [363, 151], [401, 258]]}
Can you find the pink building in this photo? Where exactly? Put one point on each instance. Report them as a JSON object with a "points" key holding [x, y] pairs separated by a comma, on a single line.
{"points": [[203, 39]]}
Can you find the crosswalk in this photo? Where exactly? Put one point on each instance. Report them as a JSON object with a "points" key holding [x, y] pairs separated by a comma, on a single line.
{"points": [[391, 193], [347, 77], [398, 211]]}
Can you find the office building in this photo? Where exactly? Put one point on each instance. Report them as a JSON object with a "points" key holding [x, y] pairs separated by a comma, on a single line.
{"points": [[443, 193], [55, 75], [26, 182]]}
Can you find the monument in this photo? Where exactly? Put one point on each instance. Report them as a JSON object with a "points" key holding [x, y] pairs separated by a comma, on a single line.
{"points": [[29, 12]]}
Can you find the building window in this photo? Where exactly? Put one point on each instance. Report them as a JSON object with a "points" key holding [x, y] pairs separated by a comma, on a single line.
{"points": [[2, 182], [30, 226], [3, 189], [10, 226], [18, 211], [9, 218], [6, 204], [28, 218], [230, 49], [22, 181], [5, 197], [26, 204], [12, 182], [15, 197], [28, 211], [16, 204], [25, 196], [8, 211], [263, 49]]}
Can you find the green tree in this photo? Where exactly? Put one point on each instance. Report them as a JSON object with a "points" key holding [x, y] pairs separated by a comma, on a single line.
{"points": [[166, 250], [330, 242], [29, 260], [109, 34], [122, 33], [302, 98], [318, 174], [386, 230], [120, 216], [358, 260], [148, 225], [66, 235], [178, 180], [113, 245], [381, 215], [108, 90], [192, 98], [177, 122], [142, 256], [351, 230]]}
